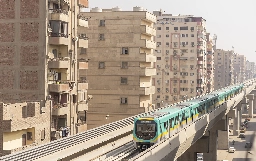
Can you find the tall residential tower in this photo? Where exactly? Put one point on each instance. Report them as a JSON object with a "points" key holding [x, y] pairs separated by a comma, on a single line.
{"points": [[39, 46], [181, 52]]}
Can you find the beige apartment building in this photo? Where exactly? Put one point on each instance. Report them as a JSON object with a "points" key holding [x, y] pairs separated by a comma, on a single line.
{"points": [[239, 68], [39, 45], [250, 70], [121, 61], [182, 51], [224, 70]]}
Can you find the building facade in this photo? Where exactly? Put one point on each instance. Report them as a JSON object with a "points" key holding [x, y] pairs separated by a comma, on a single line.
{"points": [[224, 70], [181, 53], [121, 63], [39, 46], [210, 63], [250, 70], [239, 68], [23, 125]]}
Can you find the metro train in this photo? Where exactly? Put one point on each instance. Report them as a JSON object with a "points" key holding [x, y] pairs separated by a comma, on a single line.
{"points": [[163, 123]]}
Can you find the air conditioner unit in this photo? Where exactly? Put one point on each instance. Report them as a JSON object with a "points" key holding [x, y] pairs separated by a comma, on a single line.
{"points": [[167, 91], [175, 91], [175, 73], [175, 99]]}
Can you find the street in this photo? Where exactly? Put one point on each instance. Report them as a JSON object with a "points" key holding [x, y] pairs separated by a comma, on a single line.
{"points": [[241, 153]]}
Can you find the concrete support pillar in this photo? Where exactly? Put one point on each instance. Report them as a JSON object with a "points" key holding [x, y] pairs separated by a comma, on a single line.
{"points": [[208, 144], [223, 135], [250, 110]]}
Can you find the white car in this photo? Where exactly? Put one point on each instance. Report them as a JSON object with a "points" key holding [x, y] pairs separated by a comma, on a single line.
{"points": [[231, 150]]}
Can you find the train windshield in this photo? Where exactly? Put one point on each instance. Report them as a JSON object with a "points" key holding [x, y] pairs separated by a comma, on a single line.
{"points": [[145, 129]]}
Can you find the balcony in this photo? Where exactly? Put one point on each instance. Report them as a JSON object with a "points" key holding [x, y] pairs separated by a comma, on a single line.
{"points": [[58, 39], [147, 90], [150, 17], [62, 87], [199, 62], [59, 63], [147, 71], [82, 22], [83, 3], [148, 30], [83, 65], [59, 110], [80, 127], [147, 44], [82, 86], [59, 15], [150, 58], [83, 41], [82, 106], [200, 54], [199, 84], [199, 70]]}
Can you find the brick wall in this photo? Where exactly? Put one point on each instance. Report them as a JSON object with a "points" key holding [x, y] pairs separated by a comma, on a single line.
{"points": [[22, 46], [7, 9], [34, 118]]}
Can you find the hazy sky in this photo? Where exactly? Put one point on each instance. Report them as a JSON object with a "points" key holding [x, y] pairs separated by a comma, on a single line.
{"points": [[234, 21]]}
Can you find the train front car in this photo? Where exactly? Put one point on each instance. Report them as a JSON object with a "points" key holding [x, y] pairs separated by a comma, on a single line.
{"points": [[144, 132]]}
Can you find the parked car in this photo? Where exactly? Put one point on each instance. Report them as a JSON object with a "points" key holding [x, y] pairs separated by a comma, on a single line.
{"points": [[247, 119], [248, 145], [231, 150]]}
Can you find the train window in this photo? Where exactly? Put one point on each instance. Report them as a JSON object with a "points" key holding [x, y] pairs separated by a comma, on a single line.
{"points": [[171, 121]]}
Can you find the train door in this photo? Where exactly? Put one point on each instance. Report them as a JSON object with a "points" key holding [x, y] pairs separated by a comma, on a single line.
{"points": [[171, 127]]}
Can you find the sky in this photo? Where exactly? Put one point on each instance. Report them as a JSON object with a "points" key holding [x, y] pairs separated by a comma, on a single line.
{"points": [[233, 21]]}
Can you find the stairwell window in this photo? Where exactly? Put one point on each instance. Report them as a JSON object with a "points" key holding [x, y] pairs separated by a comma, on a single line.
{"points": [[101, 65], [124, 80], [124, 100], [102, 23], [124, 65], [125, 51], [101, 37]]}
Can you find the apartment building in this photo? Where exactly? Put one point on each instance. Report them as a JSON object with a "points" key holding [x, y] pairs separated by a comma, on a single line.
{"points": [[39, 45], [181, 52], [210, 63], [239, 68], [121, 63], [250, 70], [224, 70]]}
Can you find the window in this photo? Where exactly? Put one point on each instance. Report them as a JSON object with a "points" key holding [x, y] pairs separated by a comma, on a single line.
{"points": [[83, 51], [184, 28], [176, 28], [101, 65], [192, 28], [167, 35], [125, 50], [192, 35], [102, 22], [167, 73], [158, 89], [59, 28], [158, 43], [180, 81], [124, 100], [158, 36], [101, 37], [167, 28], [29, 136], [158, 58], [124, 80], [158, 28], [124, 65], [158, 105], [167, 43], [158, 96]]}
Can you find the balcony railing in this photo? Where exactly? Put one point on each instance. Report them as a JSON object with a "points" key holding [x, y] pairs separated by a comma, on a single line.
{"points": [[147, 71], [148, 30], [58, 39], [60, 109], [83, 3], [59, 63], [60, 86], [59, 15]]}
